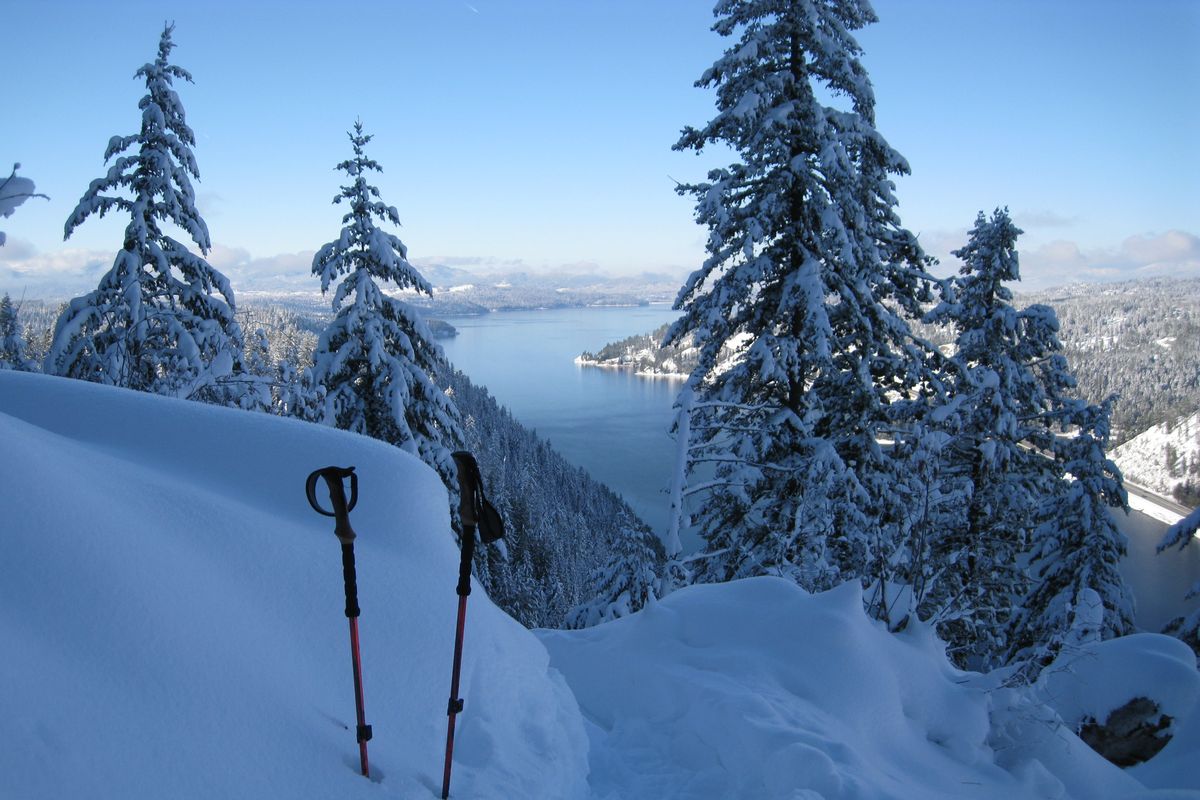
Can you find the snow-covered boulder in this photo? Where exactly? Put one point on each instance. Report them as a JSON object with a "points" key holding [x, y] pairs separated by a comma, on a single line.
{"points": [[1095, 679]]}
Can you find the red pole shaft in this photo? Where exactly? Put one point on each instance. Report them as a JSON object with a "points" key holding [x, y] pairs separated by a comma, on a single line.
{"points": [[455, 703], [358, 697]]}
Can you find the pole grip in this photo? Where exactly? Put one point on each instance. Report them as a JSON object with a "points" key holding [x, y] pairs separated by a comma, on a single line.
{"points": [[468, 512], [342, 507], [464, 563], [351, 579], [468, 487]]}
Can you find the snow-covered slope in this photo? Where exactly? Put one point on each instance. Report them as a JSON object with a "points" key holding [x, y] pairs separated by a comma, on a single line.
{"points": [[757, 689], [171, 623], [1164, 456], [171, 612]]}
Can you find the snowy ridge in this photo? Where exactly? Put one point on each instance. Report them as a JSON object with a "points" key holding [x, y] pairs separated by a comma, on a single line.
{"points": [[171, 610], [1164, 458]]}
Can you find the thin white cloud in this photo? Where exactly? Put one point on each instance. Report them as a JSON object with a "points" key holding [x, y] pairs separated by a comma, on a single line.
{"points": [[224, 258], [484, 263], [283, 271], [1169, 254], [1043, 219]]}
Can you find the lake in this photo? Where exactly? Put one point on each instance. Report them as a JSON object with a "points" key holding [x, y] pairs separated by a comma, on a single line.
{"points": [[615, 425]]}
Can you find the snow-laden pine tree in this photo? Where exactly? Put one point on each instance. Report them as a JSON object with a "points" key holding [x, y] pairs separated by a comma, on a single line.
{"points": [[625, 584], [807, 275], [12, 343], [1010, 414], [675, 573], [162, 319], [934, 498], [1077, 550], [377, 359]]}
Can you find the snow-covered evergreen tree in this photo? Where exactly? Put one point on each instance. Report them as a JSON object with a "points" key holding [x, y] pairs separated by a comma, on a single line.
{"points": [[1010, 416], [935, 501], [1077, 550], [12, 343], [1180, 535], [377, 359], [807, 275], [674, 573], [162, 319], [625, 584]]}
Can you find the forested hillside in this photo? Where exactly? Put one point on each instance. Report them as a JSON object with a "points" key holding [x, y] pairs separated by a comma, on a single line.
{"points": [[1165, 459], [645, 354], [1140, 340], [562, 524]]}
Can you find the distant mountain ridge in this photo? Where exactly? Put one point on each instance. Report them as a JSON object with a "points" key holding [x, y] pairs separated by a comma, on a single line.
{"points": [[458, 291]]}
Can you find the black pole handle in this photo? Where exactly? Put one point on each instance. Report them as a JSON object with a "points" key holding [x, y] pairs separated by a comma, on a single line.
{"points": [[469, 487], [350, 578], [334, 477], [468, 511]]}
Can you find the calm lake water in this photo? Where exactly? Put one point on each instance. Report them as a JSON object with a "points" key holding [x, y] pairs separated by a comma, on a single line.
{"points": [[615, 425]]}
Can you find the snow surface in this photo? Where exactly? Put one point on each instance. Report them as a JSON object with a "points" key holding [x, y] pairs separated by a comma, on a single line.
{"points": [[1152, 509], [757, 689], [171, 613]]}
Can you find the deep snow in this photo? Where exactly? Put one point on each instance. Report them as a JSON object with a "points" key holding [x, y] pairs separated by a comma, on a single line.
{"points": [[171, 613]]}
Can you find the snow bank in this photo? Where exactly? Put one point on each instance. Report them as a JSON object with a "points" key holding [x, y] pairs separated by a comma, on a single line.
{"points": [[1095, 679], [171, 612], [756, 689]]}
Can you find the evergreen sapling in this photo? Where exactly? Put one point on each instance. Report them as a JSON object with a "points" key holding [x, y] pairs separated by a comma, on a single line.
{"points": [[162, 319], [377, 360]]}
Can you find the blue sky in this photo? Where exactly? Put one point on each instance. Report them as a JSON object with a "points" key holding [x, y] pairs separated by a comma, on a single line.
{"points": [[538, 133]]}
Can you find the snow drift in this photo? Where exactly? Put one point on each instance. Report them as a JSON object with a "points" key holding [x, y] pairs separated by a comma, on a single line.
{"points": [[171, 613], [757, 689]]}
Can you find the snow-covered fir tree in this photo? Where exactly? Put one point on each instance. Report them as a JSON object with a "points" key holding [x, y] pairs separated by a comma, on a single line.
{"points": [[12, 342], [377, 360], [1008, 412], [675, 573], [808, 273], [1077, 551], [162, 319], [933, 497], [625, 584]]}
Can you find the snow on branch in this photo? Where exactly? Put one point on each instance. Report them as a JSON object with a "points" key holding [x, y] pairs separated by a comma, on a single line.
{"points": [[13, 192], [1181, 533]]}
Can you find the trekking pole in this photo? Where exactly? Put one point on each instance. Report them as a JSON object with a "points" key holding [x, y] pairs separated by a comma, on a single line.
{"points": [[334, 476], [475, 511]]}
